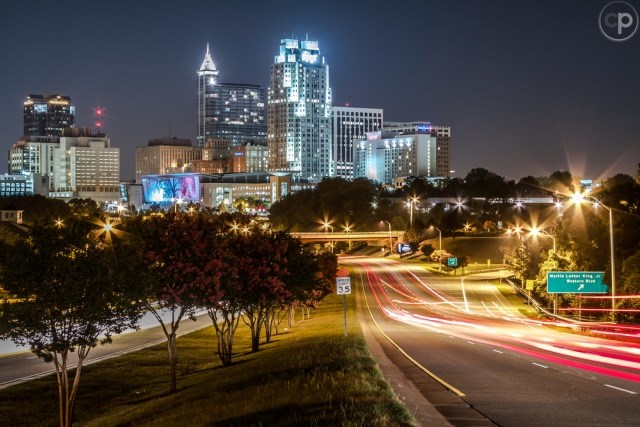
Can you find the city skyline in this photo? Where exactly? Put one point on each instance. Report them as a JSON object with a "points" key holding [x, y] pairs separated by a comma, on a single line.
{"points": [[527, 89]]}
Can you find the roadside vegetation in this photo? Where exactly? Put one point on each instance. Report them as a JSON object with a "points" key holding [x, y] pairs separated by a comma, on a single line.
{"points": [[309, 374]]}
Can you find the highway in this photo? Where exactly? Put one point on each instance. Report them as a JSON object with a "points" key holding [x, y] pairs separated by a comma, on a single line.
{"points": [[513, 370]]}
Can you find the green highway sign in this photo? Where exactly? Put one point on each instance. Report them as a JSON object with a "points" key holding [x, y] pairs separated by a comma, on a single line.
{"points": [[576, 282], [452, 262]]}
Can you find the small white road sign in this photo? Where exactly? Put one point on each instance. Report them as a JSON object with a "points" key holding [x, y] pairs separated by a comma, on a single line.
{"points": [[343, 285]]}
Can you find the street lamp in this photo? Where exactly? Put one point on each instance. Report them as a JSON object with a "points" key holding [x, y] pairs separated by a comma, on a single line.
{"points": [[579, 198], [326, 226], [440, 244], [178, 202], [390, 241], [410, 203], [535, 231]]}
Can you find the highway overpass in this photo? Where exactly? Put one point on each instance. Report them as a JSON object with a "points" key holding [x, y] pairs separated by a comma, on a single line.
{"points": [[374, 237]]}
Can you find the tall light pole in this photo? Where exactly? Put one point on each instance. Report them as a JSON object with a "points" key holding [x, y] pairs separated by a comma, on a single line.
{"points": [[440, 244], [578, 198], [326, 226], [536, 231], [410, 203], [390, 241]]}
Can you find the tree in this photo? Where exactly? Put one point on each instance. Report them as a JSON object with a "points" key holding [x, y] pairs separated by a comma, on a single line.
{"points": [[71, 292], [88, 208], [262, 264], [183, 266], [309, 279], [427, 249]]}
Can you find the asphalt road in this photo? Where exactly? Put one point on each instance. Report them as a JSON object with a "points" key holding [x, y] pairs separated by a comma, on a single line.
{"points": [[23, 366], [512, 370]]}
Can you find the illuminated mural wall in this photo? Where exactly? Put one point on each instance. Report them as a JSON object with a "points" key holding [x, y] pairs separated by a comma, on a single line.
{"points": [[163, 188]]}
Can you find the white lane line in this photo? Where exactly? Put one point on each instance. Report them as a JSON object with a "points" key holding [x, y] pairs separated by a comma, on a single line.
{"points": [[542, 366], [470, 342], [464, 295], [621, 389], [498, 351]]}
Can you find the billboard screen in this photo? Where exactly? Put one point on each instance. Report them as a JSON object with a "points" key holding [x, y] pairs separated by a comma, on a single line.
{"points": [[163, 188]]}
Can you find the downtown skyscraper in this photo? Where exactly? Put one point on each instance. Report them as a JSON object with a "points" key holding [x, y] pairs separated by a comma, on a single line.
{"points": [[230, 111], [48, 115], [299, 112]]}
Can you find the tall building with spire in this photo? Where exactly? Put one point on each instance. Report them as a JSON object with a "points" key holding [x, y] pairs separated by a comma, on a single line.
{"points": [[299, 111], [231, 111]]}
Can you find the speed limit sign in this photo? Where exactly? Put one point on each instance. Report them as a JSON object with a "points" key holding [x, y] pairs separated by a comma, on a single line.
{"points": [[343, 285]]}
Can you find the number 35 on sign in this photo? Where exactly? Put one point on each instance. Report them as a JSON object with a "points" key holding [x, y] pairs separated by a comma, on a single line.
{"points": [[343, 285]]}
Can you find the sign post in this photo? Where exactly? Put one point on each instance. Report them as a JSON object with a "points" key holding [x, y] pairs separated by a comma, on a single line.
{"points": [[343, 287]]}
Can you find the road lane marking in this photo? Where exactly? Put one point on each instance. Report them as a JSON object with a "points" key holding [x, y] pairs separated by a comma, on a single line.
{"points": [[621, 389], [464, 296], [542, 366], [415, 362], [498, 351]]}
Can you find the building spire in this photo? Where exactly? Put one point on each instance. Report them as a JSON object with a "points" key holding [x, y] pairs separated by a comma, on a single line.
{"points": [[207, 64]]}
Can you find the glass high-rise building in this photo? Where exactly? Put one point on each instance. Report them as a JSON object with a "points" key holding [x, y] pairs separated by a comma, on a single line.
{"points": [[233, 111], [299, 111], [48, 115], [351, 124]]}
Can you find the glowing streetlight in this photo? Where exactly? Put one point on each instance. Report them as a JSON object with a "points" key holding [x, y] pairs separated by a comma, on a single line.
{"points": [[410, 204], [579, 198], [59, 223], [178, 202], [535, 231]]}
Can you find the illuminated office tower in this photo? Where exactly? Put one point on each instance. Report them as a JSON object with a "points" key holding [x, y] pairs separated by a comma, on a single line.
{"points": [[233, 111], [47, 115], [85, 165], [385, 156], [299, 111], [443, 141], [349, 124]]}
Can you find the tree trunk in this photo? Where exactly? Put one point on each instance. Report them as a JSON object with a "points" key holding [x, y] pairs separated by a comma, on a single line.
{"points": [[173, 361], [225, 332], [268, 324], [67, 392]]}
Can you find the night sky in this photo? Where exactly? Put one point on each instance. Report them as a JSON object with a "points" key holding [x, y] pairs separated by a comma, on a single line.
{"points": [[528, 88]]}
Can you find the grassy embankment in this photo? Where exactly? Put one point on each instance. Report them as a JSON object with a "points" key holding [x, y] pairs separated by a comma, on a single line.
{"points": [[309, 375]]}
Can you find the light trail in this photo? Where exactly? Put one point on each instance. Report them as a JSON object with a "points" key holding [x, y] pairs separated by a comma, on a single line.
{"points": [[494, 324]]}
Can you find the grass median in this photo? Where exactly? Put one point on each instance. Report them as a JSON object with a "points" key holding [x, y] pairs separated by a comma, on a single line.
{"points": [[310, 374]]}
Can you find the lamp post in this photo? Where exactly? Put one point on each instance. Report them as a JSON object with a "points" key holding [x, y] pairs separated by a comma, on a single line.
{"points": [[536, 231], [578, 198], [440, 244], [326, 226], [178, 202], [390, 241], [410, 203]]}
